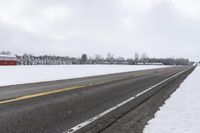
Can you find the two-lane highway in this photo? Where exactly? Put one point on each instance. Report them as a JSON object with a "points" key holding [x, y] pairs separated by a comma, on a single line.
{"points": [[60, 105]]}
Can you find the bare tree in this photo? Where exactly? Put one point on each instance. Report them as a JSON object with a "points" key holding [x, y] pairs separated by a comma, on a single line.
{"points": [[136, 58], [28, 59], [110, 58], [144, 58], [5, 53], [98, 59]]}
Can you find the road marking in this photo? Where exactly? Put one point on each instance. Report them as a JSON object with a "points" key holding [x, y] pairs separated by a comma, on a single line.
{"points": [[87, 122], [40, 94], [59, 90]]}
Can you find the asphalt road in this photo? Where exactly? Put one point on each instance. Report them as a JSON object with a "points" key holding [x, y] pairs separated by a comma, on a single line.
{"points": [[60, 105]]}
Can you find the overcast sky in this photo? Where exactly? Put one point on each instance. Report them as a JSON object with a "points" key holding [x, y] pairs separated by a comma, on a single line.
{"points": [[160, 28]]}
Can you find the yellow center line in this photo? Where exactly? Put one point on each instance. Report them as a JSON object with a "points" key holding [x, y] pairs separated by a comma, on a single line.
{"points": [[40, 94], [59, 90]]}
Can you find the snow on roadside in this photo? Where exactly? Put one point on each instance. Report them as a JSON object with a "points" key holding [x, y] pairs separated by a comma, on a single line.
{"points": [[11, 75], [181, 112]]}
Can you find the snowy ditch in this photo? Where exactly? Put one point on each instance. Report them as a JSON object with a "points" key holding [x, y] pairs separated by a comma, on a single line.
{"points": [[181, 112]]}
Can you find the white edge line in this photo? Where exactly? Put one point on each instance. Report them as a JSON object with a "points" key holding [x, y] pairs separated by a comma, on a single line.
{"points": [[87, 122]]}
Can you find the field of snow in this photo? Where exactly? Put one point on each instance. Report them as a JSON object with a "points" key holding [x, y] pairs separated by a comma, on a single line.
{"points": [[181, 112], [11, 75]]}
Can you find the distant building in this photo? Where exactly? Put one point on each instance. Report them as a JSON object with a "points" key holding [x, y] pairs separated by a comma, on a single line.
{"points": [[8, 60]]}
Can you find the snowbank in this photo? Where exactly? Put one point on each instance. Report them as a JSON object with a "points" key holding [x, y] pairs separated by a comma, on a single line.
{"points": [[181, 112], [11, 75]]}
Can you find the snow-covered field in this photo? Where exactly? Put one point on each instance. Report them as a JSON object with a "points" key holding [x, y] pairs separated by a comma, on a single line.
{"points": [[11, 75], [181, 112]]}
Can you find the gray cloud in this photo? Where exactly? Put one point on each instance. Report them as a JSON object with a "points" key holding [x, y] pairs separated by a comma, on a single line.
{"points": [[161, 28]]}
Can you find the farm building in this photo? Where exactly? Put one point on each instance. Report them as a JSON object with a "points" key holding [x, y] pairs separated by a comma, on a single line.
{"points": [[8, 60]]}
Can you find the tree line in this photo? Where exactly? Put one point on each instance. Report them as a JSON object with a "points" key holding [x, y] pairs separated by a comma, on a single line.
{"points": [[29, 59]]}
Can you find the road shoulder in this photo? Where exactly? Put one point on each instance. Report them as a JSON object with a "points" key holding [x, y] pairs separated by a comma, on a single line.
{"points": [[135, 120]]}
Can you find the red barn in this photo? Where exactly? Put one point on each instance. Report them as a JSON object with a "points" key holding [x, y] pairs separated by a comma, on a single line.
{"points": [[8, 60]]}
